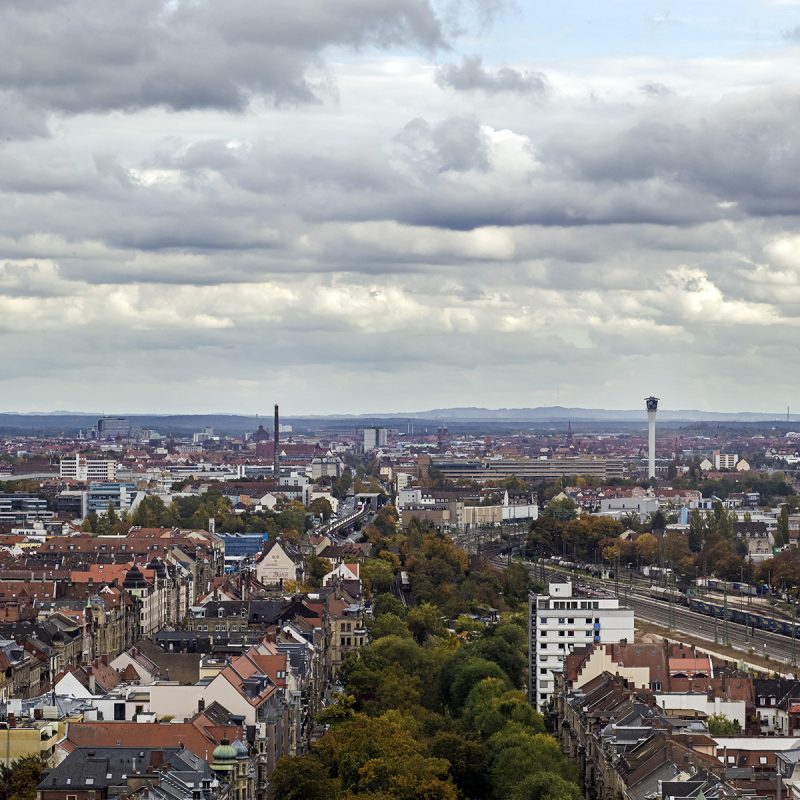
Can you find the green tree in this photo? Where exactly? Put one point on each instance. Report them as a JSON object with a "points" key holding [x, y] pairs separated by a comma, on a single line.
{"points": [[424, 621], [388, 625], [546, 786], [19, 781], [377, 575], [317, 568], [388, 604], [782, 531], [302, 778], [563, 508], [321, 507], [720, 725], [469, 763]]}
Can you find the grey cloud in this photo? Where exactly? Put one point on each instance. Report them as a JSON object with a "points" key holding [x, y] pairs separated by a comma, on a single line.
{"points": [[743, 152], [471, 75], [75, 55], [456, 143], [655, 89]]}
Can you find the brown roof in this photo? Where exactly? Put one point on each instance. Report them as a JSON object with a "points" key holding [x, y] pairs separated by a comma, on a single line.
{"points": [[138, 734]]}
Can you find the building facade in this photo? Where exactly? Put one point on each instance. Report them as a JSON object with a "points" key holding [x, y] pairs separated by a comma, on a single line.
{"points": [[558, 623]]}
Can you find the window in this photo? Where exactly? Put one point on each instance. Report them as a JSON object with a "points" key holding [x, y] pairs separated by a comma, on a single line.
{"points": [[570, 633], [543, 671], [589, 620], [762, 759], [571, 621], [72, 797]]}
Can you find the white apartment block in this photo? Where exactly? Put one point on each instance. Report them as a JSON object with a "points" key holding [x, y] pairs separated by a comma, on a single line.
{"points": [[559, 623], [81, 468], [725, 460]]}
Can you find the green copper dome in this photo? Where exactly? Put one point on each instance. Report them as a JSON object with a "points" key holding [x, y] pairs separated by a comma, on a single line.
{"points": [[224, 757]]}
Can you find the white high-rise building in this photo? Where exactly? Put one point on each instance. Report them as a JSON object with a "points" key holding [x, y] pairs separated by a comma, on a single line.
{"points": [[375, 438], [559, 623]]}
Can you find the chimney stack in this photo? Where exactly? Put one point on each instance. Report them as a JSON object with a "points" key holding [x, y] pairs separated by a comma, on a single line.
{"points": [[652, 408], [276, 459]]}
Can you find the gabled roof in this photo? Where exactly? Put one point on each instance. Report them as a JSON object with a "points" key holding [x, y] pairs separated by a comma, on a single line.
{"points": [[137, 734]]}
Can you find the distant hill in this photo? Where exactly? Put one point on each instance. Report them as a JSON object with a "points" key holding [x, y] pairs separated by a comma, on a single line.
{"points": [[548, 413], [464, 418]]}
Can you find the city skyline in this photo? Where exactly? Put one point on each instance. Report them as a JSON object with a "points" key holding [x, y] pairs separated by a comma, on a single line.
{"points": [[499, 204]]}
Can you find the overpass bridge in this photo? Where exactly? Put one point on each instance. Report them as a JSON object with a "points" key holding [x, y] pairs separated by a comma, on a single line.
{"points": [[336, 525]]}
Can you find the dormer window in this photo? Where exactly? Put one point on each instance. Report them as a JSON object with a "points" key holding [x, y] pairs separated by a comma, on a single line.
{"points": [[221, 613]]}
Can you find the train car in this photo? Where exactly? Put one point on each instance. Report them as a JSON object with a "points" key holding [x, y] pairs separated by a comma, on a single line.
{"points": [[667, 594]]}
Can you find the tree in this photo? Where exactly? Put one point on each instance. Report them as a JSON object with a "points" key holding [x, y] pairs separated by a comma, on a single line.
{"points": [[384, 756], [546, 786], [388, 604], [720, 725], [424, 621], [646, 548], [318, 568], [782, 531], [111, 515], [658, 522], [563, 508], [302, 778], [19, 781], [469, 763], [321, 507], [377, 575], [388, 625]]}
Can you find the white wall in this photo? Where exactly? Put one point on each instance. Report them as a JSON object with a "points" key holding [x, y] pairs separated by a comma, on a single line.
{"points": [[174, 700], [700, 702]]}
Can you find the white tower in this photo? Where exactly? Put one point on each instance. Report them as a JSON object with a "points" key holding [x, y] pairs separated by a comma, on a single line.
{"points": [[652, 407]]}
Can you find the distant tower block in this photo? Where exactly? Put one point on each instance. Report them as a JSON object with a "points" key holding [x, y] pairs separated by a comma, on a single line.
{"points": [[652, 407]]}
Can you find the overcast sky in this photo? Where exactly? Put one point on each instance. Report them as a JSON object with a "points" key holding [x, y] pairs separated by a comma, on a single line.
{"points": [[386, 205]]}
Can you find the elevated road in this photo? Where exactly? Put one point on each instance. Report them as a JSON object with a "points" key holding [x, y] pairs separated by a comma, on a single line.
{"points": [[339, 524]]}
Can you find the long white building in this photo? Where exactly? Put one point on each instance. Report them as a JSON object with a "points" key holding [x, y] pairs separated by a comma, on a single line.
{"points": [[81, 468], [558, 623]]}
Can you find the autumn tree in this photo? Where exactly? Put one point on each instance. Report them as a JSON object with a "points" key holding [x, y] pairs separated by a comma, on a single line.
{"points": [[646, 548]]}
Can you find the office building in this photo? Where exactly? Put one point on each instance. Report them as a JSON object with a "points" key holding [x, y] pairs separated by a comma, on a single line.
{"points": [[375, 438], [113, 428], [100, 495], [19, 508], [559, 623], [82, 468]]}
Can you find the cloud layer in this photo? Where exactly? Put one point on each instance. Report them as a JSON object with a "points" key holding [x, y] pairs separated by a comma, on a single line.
{"points": [[215, 206]]}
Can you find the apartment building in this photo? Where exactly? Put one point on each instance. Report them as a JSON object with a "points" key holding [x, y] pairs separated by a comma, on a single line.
{"points": [[559, 623]]}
